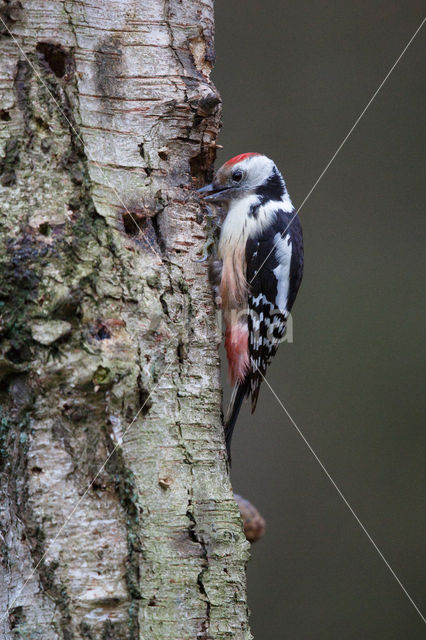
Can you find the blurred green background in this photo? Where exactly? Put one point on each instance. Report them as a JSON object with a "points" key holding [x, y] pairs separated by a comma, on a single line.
{"points": [[294, 76]]}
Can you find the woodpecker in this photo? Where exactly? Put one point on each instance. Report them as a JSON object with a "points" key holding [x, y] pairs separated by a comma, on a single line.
{"points": [[256, 272]]}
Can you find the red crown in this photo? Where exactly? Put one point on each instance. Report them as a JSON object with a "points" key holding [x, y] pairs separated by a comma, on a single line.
{"points": [[242, 156]]}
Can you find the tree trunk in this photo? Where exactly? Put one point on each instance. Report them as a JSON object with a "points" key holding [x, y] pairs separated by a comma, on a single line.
{"points": [[109, 340]]}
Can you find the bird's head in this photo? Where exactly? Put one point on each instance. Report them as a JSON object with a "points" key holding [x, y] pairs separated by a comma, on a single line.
{"points": [[244, 175]]}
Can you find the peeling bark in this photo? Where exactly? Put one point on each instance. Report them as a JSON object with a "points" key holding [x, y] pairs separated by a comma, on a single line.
{"points": [[108, 337]]}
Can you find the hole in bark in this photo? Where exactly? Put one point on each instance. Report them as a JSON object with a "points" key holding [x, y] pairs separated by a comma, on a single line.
{"points": [[18, 356], [145, 402], [141, 150], [181, 352], [45, 229], [98, 485], [36, 470], [102, 333], [15, 617], [41, 124], [148, 171], [68, 307], [131, 226], [4, 115], [139, 224], [55, 56]]}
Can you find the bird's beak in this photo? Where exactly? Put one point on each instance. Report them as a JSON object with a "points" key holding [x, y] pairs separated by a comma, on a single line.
{"points": [[212, 192], [209, 188]]}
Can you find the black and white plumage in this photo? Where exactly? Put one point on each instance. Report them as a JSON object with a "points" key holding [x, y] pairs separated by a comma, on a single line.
{"points": [[274, 271], [258, 269]]}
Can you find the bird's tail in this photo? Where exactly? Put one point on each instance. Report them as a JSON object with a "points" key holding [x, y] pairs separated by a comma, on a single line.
{"points": [[240, 390]]}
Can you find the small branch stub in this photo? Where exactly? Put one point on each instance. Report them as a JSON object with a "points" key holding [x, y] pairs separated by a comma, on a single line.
{"points": [[254, 524]]}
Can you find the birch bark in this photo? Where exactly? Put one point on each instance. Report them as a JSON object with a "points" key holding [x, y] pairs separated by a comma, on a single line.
{"points": [[108, 335]]}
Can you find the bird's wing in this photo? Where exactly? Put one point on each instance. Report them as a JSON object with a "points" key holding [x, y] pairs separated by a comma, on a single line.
{"points": [[274, 272]]}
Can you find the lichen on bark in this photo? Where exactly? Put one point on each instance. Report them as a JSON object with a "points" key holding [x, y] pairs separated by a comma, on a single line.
{"points": [[108, 337]]}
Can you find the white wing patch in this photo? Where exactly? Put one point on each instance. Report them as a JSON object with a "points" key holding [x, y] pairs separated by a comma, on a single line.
{"points": [[283, 250]]}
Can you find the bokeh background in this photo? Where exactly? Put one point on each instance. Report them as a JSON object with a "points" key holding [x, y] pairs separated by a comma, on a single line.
{"points": [[294, 76]]}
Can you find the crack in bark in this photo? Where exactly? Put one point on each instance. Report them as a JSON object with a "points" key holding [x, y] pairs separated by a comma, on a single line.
{"points": [[167, 16], [197, 538], [70, 21], [144, 400], [156, 223], [126, 489]]}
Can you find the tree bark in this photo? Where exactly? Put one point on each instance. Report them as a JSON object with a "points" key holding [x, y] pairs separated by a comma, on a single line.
{"points": [[108, 334]]}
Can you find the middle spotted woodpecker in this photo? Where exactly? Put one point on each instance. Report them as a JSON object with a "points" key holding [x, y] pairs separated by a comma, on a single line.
{"points": [[257, 271]]}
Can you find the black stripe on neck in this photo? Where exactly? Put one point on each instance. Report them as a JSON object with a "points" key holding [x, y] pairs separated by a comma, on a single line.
{"points": [[272, 189]]}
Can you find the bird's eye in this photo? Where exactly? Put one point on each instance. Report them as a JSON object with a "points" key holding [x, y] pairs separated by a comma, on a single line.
{"points": [[237, 175]]}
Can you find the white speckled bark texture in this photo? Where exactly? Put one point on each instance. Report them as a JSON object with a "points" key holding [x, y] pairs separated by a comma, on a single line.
{"points": [[117, 514]]}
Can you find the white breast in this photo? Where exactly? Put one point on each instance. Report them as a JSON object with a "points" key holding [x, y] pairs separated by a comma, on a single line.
{"points": [[239, 225]]}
